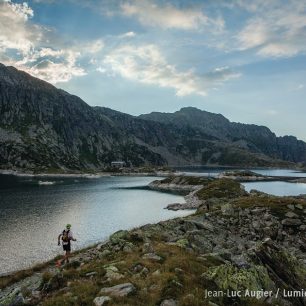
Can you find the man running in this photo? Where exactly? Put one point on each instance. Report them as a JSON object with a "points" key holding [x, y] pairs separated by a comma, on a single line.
{"points": [[67, 236]]}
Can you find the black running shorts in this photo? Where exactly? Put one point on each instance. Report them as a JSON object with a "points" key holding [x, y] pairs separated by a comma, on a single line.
{"points": [[67, 247]]}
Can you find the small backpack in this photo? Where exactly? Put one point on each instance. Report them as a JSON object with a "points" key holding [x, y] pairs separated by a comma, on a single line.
{"points": [[65, 236]]}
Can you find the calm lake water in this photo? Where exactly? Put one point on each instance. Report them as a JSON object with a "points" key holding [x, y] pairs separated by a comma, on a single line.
{"points": [[33, 211], [277, 188], [208, 171], [33, 214]]}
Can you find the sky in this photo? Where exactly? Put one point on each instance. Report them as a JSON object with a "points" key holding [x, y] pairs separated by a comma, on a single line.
{"points": [[243, 59]]}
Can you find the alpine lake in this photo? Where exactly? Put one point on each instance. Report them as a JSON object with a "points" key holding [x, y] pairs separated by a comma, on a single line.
{"points": [[35, 210]]}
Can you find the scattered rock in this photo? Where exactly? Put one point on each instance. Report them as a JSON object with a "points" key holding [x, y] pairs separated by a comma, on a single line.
{"points": [[169, 302], [156, 273], [99, 246], [212, 304], [154, 287], [144, 271], [267, 217], [178, 271], [227, 209], [91, 273], [36, 294], [240, 261], [148, 248], [204, 225], [128, 247], [137, 268], [14, 298], [56, 282], [291, 222], [112, 273], [302, 228], [175, 206], [120, 290], [152, 256], [105, 253], [182, 243], [101, 300], [291, 214]]}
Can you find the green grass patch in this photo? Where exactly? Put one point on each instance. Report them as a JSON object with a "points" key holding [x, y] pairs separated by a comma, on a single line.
{"points": [[187, 180], [221, 188]]}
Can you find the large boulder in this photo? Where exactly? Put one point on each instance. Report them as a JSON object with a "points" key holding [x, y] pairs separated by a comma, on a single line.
{"points": [[230, 277], [285, 268]]}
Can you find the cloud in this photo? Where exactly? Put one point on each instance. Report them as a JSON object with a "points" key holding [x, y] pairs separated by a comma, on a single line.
{"points": [[15, 31], [145, 64], [27, 46], [167, 16], [51, 65], [55, 72], [276, 29], [128, 35], [93, 46]]}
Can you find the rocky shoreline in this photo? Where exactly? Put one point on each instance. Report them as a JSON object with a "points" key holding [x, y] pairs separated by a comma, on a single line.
{"points": [[235, 242], [84, 175], [188, 186]]}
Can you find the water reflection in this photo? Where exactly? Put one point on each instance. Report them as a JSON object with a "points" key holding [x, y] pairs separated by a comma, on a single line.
{"points": [[32, 215]]}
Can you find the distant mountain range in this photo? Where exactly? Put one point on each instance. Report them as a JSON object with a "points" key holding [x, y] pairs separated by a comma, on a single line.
{"points": [[43, 128]]}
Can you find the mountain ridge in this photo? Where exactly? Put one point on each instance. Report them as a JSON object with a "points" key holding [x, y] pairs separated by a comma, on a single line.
{"points": [[43, 128], [233, 131]]}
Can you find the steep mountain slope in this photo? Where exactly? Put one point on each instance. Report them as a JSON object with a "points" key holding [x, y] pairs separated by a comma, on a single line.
{"points": [[43, 128]]}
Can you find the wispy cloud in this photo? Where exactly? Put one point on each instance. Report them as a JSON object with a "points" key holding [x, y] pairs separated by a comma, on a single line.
{"points": [[167, 16], [128, 35], [146, 64], [276, 28]]}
